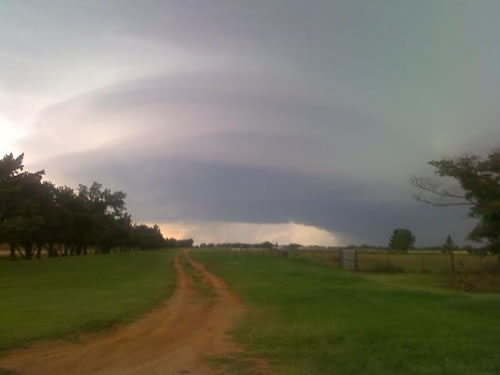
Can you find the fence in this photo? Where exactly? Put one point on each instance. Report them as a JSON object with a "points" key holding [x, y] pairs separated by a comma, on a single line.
{"points": [[427, 262], [413, 262]]}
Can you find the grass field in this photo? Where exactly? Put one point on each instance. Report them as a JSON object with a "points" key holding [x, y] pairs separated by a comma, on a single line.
{"points": [[314, 319], [413, 262], [60, 297], [427, 262]]}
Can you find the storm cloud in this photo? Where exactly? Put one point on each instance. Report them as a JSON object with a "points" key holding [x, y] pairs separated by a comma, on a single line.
{"points": [[223, 113]]}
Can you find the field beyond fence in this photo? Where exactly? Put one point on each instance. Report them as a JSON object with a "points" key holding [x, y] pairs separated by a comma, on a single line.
{"points": [[411, 262], [317, 319]]}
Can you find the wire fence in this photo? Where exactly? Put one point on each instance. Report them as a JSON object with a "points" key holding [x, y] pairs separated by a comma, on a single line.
{"points": [[413, 262]]}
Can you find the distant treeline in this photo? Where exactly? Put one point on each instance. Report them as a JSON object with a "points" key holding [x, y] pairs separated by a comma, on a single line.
{"points": [[240, 245], [296, 246], [37, 215]]}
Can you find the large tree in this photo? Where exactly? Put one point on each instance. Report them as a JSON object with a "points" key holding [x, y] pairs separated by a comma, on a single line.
{"points": [[477, 187]]}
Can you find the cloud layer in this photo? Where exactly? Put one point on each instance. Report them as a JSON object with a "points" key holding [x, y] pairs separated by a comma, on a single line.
{"points": [[254, 113]]}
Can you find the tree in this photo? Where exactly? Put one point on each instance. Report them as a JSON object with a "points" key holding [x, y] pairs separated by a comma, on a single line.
{"points": [[21, 218], [49, 232], [266, 245], [401, 239], [145, 237], [449, 245], [477, 187]]}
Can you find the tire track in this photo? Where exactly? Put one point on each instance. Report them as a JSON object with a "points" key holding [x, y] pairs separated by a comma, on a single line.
{"points": [[175, 338]]}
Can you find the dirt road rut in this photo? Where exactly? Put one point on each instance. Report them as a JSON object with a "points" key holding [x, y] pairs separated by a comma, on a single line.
{"points": [[176, 338]]}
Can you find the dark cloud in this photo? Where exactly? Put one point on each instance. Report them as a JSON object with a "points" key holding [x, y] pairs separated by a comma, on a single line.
{"points": [[254, 111], [193, 148], [171, 189]]}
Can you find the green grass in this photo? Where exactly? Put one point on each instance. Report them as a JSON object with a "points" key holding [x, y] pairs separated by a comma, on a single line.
{"points": [[427, 262], [313, 319], [61, 297], [432, 282], [234, 364]]}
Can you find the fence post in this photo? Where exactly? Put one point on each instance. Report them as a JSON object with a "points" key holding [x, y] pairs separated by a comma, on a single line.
{"points": [[452, 261], [356, 260]]}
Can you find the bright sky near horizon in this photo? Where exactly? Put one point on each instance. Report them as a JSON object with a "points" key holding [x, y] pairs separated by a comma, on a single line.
{"points": [[280, 119]]}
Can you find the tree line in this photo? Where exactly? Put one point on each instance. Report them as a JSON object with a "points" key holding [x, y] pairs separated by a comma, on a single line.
{"points": [[38, 216], [240, 245]]}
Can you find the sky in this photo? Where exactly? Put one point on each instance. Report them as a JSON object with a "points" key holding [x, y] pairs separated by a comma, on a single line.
{"points": [[281, 120]]}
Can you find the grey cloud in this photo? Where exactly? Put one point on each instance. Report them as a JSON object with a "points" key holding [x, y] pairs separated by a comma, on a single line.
{"points": [[238, 151], [214, 115], [176, 189]]}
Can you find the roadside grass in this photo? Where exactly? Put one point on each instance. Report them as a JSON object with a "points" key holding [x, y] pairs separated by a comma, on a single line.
{"points": [[234, 364], [62, 297], [433, 282], [312, 319]]}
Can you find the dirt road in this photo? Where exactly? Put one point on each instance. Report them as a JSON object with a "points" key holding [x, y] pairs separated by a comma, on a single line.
{"points": [[176, 338]]}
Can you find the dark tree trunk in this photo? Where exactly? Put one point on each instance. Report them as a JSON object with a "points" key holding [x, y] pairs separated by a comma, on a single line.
{"points": [[28, 250], [39, 251], [12, 249], [50, 250], [20, 252]]}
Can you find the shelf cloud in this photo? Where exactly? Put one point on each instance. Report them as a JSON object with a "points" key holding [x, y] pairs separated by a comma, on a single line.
{"points": [[280, 120]]}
